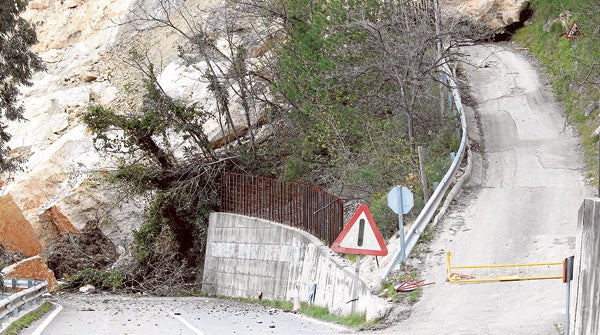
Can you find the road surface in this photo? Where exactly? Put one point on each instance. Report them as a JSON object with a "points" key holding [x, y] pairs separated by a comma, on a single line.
{"points": [[106, 314], [520, 206]]}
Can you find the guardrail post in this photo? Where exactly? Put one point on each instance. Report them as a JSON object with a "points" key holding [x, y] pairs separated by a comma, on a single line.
{"points": [[23, 300]]}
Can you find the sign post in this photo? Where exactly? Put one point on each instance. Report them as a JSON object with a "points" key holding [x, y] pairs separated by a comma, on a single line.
{"points": [[575, 33], [401, 201], [355, 285], [567, 277], [360, 237]]}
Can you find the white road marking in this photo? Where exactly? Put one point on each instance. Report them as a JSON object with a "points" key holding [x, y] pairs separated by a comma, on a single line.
{"points": [[187, 324], [327, 324], [42, 327]]}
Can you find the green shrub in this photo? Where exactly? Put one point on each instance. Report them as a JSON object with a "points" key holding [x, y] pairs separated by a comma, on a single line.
{"points": [[384, 217], [110, 280]]}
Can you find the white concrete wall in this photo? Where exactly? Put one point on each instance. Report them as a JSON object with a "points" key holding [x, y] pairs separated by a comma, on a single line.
{"points": [[246, 255], [585, 288]]}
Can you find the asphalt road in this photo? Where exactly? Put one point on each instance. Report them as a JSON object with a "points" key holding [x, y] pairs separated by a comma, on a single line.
{"points": [[520, 206], [105, 314]]}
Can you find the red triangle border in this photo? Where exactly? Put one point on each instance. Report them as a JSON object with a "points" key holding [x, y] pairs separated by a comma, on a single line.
{"points": [[336, 244]]}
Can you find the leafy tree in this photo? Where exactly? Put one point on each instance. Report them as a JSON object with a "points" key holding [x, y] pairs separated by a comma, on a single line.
{"points": [[17, 63]]}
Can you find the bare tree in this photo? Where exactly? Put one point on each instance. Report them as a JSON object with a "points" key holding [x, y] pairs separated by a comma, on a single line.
{"points": [[230, 75]]}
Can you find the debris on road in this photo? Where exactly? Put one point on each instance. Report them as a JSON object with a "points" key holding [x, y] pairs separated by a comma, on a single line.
{"points": [[411, 285]]}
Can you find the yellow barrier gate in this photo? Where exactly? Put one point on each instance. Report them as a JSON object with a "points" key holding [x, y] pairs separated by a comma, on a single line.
{"points": [[503, 272]]}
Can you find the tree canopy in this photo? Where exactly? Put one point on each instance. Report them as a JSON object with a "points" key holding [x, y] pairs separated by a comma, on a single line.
{"points": [[17, 64]]}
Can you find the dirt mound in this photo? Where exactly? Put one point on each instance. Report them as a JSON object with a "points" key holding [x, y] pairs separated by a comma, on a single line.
{"points": [[90, 248]]}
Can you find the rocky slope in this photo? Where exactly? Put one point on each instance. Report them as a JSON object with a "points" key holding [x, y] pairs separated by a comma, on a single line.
{"points": [[59, 191], [495, 14]]}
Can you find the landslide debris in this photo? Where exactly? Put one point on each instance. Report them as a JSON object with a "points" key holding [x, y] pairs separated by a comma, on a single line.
{"points": [[73, 252], [7, 258]]}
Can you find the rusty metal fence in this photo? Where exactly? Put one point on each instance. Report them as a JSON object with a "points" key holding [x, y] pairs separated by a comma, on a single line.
{"points": [[302, 206]]}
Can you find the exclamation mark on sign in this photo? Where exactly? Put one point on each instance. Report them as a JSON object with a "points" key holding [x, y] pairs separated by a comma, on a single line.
{"points": [[361, 232]]}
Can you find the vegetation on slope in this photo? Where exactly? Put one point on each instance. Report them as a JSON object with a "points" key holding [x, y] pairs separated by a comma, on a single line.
{"points": [[348, 91], [576, 89]]}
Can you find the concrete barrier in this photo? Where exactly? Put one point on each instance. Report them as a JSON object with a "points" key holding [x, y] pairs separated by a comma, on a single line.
{"points": [[246, 256], [585, 302]]}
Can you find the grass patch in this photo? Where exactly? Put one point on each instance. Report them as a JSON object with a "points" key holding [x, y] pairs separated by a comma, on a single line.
{"points": [[317, 312], [16, 327], [322, 313], [575, 89]]}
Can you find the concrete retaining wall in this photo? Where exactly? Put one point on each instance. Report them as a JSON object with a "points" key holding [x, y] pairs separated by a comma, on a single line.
{"points": [[585, 302], [246, 255]]}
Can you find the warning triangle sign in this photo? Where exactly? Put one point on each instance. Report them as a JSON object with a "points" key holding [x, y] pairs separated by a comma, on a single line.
{"points": [[575, 32], [360, 236]]}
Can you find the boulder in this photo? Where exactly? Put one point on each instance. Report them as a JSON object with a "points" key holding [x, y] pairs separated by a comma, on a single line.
{"points": [[32, 268], [39, 4], [16, 233], [72, 3], [53, 224], [87, 289], [87, 76], [495, 14]]}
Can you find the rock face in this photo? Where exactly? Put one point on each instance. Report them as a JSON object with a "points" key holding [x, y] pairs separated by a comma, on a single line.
{"points": [[16, 233], [495, 14], [55, 194], [60, 189]]}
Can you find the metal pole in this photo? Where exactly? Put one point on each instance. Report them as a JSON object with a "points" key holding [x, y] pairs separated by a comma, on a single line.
{"points": [[401, 231], [575, 56], [355, 285], [567, 308], [424, 181], [567, 277], [402, 241]]}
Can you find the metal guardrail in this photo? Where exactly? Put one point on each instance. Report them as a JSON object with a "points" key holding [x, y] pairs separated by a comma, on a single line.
{"points": [[27, 297], [428, 211]]}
